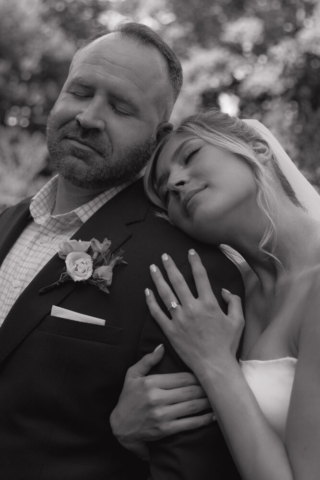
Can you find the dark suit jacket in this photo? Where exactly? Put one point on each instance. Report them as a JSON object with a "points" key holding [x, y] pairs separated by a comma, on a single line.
{"points": [[60, 379]]}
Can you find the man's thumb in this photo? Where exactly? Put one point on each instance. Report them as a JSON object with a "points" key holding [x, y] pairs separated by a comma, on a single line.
{"points": [[142, 368]]}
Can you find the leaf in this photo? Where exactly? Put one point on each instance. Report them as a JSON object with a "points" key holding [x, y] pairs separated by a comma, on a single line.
{"points": [[103, 288]]}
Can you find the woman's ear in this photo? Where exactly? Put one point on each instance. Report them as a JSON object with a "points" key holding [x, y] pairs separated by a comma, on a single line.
{"points": [[163, 130], [263, 151]]}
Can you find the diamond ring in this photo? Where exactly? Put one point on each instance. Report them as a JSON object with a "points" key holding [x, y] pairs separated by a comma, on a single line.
{"points": [[173, 305]]}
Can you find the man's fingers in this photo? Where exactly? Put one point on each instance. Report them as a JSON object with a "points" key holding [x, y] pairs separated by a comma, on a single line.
{"points": [[142, 368], [184, 409], [169, 381], [184, 424], [178, 396], [182, 394]]}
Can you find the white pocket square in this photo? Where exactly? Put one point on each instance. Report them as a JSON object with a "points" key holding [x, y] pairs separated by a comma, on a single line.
{"points": [[78, 317]]}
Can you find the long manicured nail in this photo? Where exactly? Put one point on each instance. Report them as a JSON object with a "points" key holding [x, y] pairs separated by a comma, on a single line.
{"points": [[192, 252], [147, 292], [158, 347], [164, 257], [153, 268]]}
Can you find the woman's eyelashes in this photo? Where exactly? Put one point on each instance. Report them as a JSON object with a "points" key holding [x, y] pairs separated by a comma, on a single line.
{"points": [[187, 157], [166, 194]]}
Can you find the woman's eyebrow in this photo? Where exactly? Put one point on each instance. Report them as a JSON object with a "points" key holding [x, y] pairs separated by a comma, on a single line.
{"points": [[160, 181], [180, 148]]}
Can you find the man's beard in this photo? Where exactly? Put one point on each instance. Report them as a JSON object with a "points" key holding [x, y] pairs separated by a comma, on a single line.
{"points": [[94, 170]]}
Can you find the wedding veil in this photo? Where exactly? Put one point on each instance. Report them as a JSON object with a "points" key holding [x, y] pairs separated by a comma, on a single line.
{"points": [[304, 191]]}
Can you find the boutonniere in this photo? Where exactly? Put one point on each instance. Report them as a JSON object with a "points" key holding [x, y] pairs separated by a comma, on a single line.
{"points": [[87, 262]]}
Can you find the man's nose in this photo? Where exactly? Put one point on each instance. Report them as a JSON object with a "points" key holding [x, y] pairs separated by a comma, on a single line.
{"points": [[91, 118]]}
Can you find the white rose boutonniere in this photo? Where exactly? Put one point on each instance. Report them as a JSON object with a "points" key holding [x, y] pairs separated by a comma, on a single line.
{"points": [[79, 266], [88, 262], [69, 246]]}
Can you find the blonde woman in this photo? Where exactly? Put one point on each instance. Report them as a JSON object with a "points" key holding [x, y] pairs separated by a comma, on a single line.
{"points": [[226, 181]]}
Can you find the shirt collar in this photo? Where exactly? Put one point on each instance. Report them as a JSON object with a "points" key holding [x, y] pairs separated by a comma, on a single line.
{"points": [[42, 203]]}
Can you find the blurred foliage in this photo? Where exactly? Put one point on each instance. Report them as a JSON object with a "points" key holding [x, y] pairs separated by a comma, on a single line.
{"points": [[254, 58], [23, 156]]}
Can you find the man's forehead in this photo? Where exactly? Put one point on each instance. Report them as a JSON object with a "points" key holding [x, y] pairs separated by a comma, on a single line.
{"points": [[115, 51]]}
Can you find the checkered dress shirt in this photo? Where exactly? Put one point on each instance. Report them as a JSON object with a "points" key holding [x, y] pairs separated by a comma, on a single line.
{"points": [[39, 241]]}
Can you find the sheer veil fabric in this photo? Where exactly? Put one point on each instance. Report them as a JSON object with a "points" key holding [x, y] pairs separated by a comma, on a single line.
{"points": [[305, 192]]}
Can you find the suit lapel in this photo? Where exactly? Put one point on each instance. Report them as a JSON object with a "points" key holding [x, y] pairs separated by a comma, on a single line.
{"points": [[12, 223], [110, 221]]}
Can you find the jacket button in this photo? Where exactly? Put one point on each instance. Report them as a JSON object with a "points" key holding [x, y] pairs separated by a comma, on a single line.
{"points": [[16, 283]]}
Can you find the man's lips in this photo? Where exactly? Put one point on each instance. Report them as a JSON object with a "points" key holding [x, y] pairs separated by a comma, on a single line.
{"points": [[189, 195], [82, 142]]}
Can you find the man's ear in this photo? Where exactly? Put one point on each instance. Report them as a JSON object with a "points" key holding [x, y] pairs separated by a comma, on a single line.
{"points": [[163, 130], [263, 151]]}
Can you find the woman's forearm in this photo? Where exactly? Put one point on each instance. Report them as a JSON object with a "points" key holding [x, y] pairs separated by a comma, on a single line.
{"points": [[256, 448]]}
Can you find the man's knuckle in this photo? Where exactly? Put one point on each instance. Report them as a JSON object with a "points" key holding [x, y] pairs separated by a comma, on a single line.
{"points": [[190, 391], [152, 398], [156, 415], [147, 383], [183, 378], [165, 429], [192, 407]]}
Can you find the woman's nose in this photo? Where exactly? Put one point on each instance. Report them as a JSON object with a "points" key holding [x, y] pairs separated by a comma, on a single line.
{"points": [[177, 179]]}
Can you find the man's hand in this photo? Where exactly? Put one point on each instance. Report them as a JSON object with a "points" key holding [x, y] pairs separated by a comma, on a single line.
{"points": [[155, 406]]}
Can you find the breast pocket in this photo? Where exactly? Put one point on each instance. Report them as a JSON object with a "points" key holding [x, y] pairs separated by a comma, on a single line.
{"points": [[82, 331]]}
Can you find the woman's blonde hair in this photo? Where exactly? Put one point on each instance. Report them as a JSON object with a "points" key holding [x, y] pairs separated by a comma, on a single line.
{"points": [[236, 136]]}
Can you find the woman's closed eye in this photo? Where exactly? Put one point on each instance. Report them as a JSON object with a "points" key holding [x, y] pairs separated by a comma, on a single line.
{"points": [[165, 194], [189, 155]]}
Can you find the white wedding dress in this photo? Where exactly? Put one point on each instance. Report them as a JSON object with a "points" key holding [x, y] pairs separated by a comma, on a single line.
{"points": [[271, 382]]}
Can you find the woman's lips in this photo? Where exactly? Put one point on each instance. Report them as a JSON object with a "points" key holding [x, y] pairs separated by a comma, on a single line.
{"points": [[189, 195]]}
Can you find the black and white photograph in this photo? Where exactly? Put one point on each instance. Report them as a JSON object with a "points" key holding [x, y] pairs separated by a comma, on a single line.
{"points": [[159, 239]]}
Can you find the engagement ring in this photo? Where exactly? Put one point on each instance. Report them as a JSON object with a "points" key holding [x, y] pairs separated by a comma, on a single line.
{"points": [[173, 305]]}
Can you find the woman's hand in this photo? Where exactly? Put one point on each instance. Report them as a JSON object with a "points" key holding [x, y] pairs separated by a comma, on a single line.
{"points": [[152, 407], [199, 331]]}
